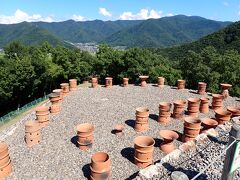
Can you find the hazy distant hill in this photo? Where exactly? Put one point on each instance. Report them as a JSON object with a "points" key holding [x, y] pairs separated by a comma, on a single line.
{"points": [[163, 32], [167, 31]]}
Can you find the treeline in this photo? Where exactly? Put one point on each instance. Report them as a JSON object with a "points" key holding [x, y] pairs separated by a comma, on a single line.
{"points": [[30, 72]]}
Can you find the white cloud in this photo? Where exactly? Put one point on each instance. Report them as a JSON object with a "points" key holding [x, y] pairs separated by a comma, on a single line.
{"points": [[239, 13], [20, 16], [143, 14], [78, 18], [225, 3], [170, 14], [104, 12]]}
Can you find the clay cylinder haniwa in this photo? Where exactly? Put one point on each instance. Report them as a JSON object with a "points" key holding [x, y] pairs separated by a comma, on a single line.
{"points": [[32, 133], [193, 106], [118, 129], [108, 82], [60, 92], [55, 100], [85, 136], [225, 89], [222, 116], [204, 107], [100, 166], [42, 115], [73, 84], [143, 154], [125, 82], [217, 101], [5, 161], [178, 109], [192, 127], [94, 82], [168, 136], [202, 88], [164, 112], [161, 81], [65, 88], [143, 80], [234, 110], [141, 123], [208, 123], [181, 84]]}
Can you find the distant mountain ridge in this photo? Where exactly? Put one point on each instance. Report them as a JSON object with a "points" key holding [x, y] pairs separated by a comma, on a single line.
{"points": [[163, 32], [227, 38]]}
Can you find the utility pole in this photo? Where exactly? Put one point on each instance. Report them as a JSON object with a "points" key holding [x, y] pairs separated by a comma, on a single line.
{"points": [[232, 158]]}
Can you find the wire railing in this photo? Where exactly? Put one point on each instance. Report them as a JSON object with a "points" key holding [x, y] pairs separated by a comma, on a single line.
{"points": [[6, 118]]}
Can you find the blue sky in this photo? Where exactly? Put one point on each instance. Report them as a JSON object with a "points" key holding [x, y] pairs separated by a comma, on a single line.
{"points": [[14, 11]]}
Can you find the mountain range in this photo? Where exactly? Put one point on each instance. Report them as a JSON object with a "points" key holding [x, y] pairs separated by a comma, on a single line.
{"points": [[163, 32]]}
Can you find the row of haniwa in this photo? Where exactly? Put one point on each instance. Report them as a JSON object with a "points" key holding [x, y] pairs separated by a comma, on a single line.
{"points": [[144, 145], [33, 128], [202, 86]]}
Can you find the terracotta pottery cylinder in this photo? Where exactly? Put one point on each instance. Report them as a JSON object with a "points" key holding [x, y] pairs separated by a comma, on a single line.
{"points": [[225, 89], [217, 101], [5, 161], [65, 88], [100, 166], [164, 112], [94, 82], [222, 116], [193, 106], [143, 154], [192, 127], [143, 80], [202, 88], [60, 92], [161, 81], [204, 107], [208, 123], [178, 109], [142, 116], [108, 82], [119, 130], [73, 84], [181, 84], [55, 100], [168, 136], [234, 110], [85, 136], [125, 82], [32, 133], [42, 115]]}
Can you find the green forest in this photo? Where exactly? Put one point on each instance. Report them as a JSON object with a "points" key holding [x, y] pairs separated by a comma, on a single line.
{"points": [[29, 72]]}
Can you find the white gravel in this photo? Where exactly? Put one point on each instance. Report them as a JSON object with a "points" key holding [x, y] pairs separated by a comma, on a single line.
{"points": [[56, 157]]}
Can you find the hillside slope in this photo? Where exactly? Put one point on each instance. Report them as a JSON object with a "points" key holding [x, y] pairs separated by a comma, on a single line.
{"points": [[27, 33], [227, 38]]}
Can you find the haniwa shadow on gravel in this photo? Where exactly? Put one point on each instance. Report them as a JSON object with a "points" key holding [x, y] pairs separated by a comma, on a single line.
{"points": [[153, 117], [87, 171], [74, 140], [128, 153], [130, 122]]}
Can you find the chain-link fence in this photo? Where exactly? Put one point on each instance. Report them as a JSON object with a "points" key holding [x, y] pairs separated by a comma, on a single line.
{"points": [[6, 118]]}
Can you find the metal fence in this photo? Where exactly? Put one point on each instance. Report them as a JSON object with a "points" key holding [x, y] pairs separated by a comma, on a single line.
{"points": [[6, 118]]}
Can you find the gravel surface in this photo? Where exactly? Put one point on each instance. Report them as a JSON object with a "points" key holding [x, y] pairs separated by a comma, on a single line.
{"points": [[57, 157], [196, 160]]}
